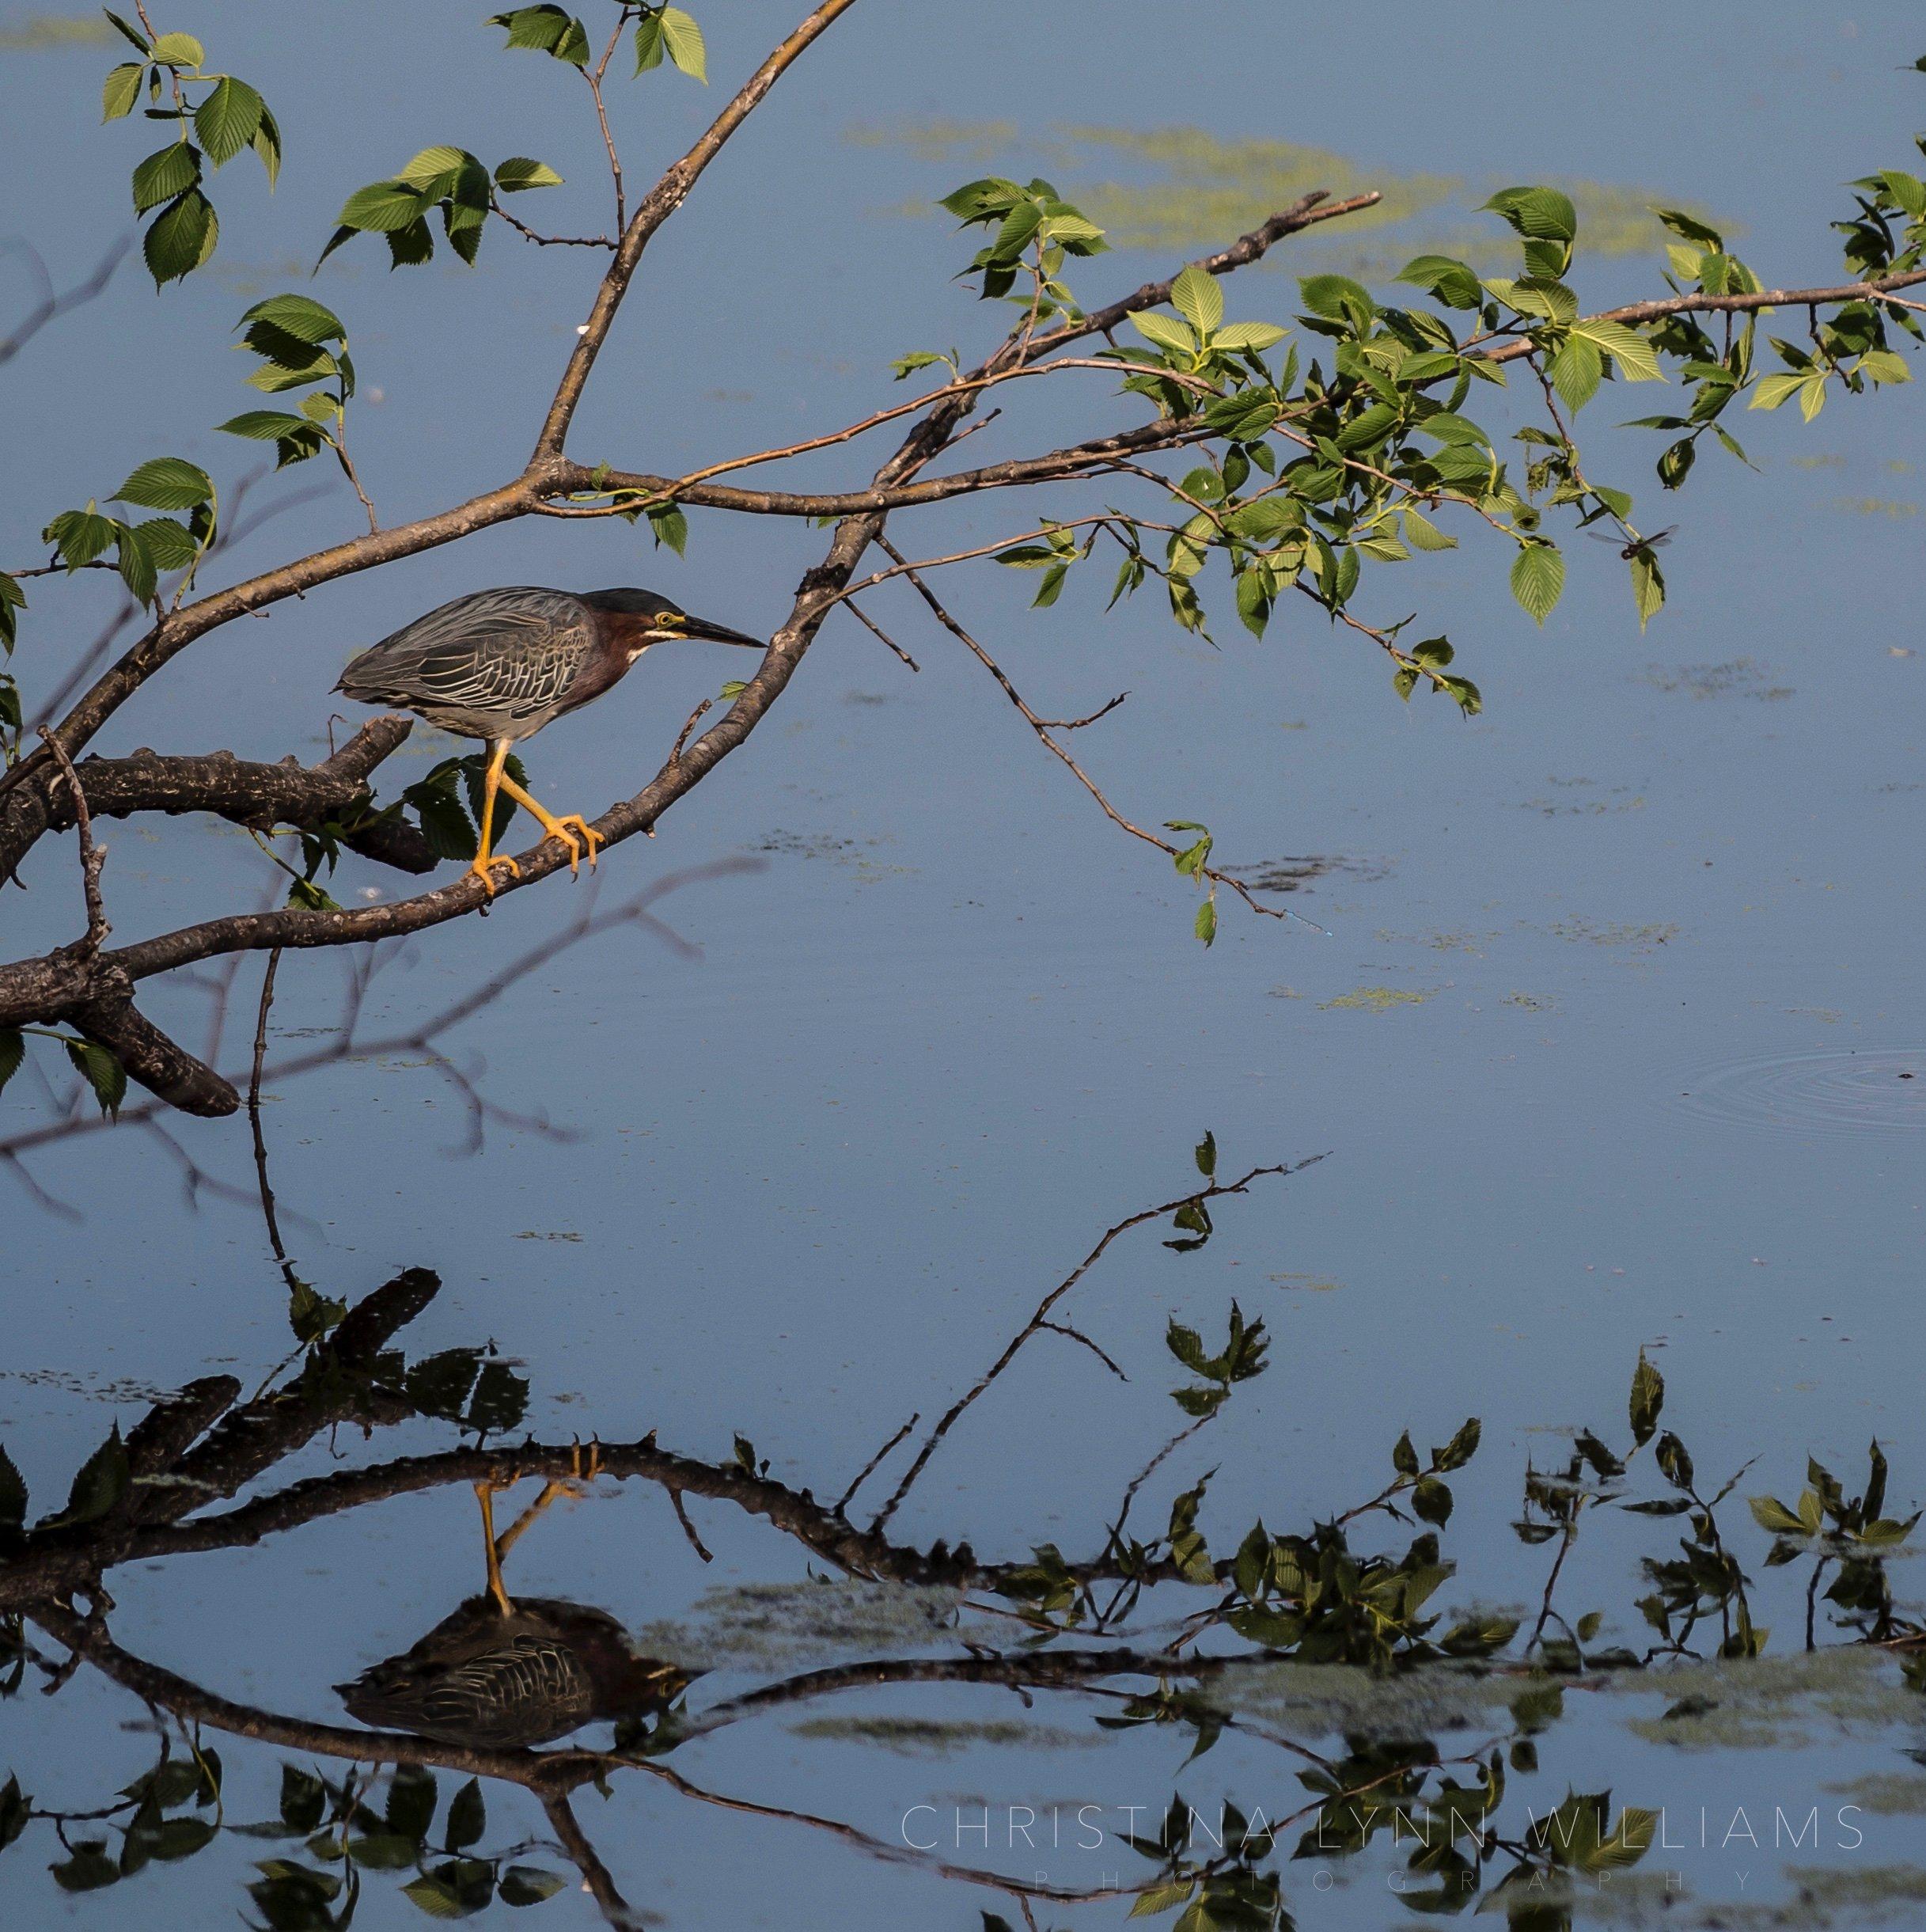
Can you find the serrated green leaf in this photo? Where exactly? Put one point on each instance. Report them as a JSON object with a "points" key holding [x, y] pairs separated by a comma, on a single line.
{"points": [[1165, 331], [102, 1071], [182, 238], [166, 483], [1198, 298], [1538, 580], [683, 38], [179, 50], [121, 90], [227, 118], [166, 172], [519, 172]]}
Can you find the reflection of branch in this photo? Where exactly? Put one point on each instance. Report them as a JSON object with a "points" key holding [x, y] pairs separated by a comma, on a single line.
{"points": [[1042, 727], [1037, 1322], [52, 307], [347, 1045]]}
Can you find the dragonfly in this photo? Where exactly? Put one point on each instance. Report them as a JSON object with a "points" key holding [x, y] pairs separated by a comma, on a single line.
{"points": [[1631, 549]]}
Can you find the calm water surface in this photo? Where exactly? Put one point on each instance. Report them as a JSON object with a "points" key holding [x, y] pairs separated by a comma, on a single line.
{"points": [[1610, 1045]]}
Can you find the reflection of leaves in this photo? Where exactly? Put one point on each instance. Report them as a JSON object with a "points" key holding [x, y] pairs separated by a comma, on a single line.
{"points": [[12, 1494], [529, 1885], [454, 1889], [293, 1899], [303, 1798], [103, 1480], [501, 1398], [311, 1315], [468, 1816], [16, 1809], [411, 1802], [88, 1869]]}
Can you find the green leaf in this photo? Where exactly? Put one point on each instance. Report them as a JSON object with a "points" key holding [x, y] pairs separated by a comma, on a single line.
{"points": [[79, 536], [683, 38], [166, 483], [1454, 282], [167, 172], [1336, 298], [1634, 355], [1161, 1899], [519, 172], [1248, 337], [267, 145], [383, 208], [547, 30], [1576, 371], [1205, 923], [227, 119], [1165, 332], [1540, 214], [128, 32], [1772, 390], [1771, 1514], [668, 525], [1422, 534], [1198, 298], [121, 90], [102, 1071], [135, 563], [12, 1051], [1648, 587], [648, 42], [183, 236], [1538, 580], [179, 50], [297, 316]]}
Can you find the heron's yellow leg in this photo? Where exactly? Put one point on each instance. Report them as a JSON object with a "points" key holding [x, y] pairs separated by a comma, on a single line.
{"points": [[484, 1494], [573, 830], [585, 1465], [492, 783]]}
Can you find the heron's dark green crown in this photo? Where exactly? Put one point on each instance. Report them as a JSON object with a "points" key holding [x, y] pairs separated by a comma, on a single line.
{"points": [[630, 603]]}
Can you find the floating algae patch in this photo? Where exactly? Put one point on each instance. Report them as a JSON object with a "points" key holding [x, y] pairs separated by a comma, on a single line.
{"points": [[1772, 1703], [1332, 1700], [1888, 1794], [1184, 188], [1380, 999], [929, 1737], [42, 33], [789, 1625]]}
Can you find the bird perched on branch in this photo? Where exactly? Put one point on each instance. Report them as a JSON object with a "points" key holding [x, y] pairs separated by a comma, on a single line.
{"points": [[498, 665]]}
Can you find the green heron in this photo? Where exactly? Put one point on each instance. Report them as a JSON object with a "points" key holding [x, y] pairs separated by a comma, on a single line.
{"points": [[501, 1673], [498, 665]]}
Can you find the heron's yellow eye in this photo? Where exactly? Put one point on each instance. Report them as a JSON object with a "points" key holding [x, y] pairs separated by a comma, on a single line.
{"points": [[670, 620]]}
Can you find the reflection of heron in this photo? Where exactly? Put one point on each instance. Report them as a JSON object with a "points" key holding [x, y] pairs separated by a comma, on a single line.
{"points": [[500, 1672], [498, 665]]}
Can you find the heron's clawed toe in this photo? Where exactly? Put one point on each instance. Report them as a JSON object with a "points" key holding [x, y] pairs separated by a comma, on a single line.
{"points": [[572, 824], [483, 869]]}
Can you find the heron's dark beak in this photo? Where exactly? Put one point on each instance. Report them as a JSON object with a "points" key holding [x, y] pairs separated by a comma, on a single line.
{"points": [[721, 634]]}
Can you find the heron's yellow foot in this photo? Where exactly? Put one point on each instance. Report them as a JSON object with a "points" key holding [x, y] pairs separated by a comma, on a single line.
{"points": [[574, 831], [482, 868]]}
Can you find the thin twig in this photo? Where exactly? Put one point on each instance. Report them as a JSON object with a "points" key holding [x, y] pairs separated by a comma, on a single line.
{"points": [[92, 858], [869, 623]]}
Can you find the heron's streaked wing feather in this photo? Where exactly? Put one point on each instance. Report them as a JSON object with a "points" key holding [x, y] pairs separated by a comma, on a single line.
{"points": [[515, 651]]}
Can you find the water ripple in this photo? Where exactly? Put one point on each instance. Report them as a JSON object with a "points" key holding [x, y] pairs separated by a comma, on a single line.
{"points": [[1880, 1090]]}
